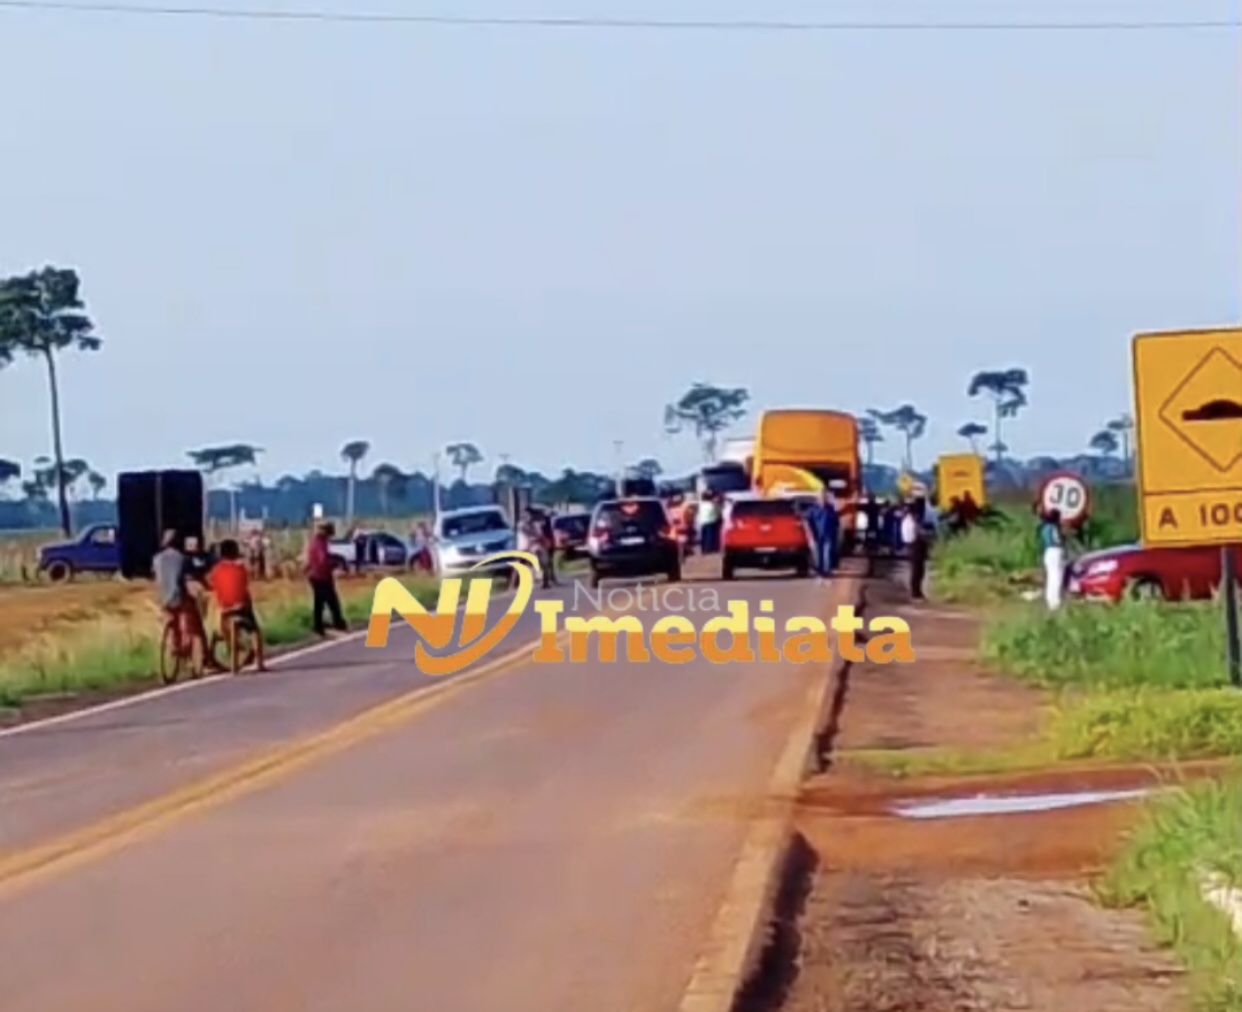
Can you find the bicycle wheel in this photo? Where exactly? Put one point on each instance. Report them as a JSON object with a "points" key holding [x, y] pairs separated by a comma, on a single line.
{"points": [[242, 648], [171, 654]]}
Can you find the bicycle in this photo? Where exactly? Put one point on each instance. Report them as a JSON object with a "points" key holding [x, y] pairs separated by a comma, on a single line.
{"points": [[178, 653], [240, 638]]}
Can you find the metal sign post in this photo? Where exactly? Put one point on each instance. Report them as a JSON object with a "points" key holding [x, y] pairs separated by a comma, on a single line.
{"points": [[1233, 652]]}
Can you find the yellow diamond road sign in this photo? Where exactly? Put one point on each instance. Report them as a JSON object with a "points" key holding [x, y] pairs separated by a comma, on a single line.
{"points": [[1188, 415]]}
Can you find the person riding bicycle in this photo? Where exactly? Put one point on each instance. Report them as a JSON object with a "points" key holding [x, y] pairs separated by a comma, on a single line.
{"points": [[229, 580], [530, 538], [172, 579]]}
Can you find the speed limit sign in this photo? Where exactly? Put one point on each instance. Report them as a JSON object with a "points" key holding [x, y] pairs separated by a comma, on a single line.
{"points": [[1066, 493]]}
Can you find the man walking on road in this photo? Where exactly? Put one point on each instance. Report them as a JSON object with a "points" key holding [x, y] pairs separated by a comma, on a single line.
{"points": [[321, 573], [825, 524]]}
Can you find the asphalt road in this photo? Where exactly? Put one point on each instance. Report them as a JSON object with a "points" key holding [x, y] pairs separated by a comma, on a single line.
{"points": [[547, 837]]}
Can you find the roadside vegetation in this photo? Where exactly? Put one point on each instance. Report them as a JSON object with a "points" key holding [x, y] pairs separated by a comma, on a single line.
{"points": [[119, 650], [1135, 682]]}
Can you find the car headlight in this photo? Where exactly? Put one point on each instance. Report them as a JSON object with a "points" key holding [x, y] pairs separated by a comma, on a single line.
{"points": [[1101, 568]]}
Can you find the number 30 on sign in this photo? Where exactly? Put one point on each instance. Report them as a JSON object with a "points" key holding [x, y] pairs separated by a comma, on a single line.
{"points": [[1066, 493]]}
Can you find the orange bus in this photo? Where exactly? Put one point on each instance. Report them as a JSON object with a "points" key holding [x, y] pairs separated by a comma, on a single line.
{"points": [[800, 450]]}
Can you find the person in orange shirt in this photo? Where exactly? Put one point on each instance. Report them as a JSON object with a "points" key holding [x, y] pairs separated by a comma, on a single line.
{"points": [[229, 581]]}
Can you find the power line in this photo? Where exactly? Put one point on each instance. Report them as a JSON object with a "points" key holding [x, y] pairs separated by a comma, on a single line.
{"points": [[613, 24]]}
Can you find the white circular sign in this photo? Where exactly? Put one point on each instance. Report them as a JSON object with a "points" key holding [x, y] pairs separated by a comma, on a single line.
{"points": [[1065, 493]]}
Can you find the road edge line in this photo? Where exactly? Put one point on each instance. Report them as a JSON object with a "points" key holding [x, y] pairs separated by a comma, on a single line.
{"points": [[162, 691], [28, 865], [739, 932]]}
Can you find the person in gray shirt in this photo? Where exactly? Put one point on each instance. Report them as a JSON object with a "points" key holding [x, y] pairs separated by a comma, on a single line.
{"points": [[172, 574]]}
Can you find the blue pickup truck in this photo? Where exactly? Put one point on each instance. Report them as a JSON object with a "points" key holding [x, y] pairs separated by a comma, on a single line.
{"points": [[94, 550]]}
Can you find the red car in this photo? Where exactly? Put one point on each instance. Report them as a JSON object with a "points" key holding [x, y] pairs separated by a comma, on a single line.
{"points": [[1134, 571], [764, 534]]}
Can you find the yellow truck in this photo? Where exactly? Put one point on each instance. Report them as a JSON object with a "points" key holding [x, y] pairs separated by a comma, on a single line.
{"points": [[958, 474]]}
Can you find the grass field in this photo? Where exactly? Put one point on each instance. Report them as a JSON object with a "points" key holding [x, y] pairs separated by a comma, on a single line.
{"points": [[108, 640]]}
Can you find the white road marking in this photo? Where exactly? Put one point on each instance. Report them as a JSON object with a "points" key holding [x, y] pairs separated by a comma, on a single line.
{"points": [[163, 691]]}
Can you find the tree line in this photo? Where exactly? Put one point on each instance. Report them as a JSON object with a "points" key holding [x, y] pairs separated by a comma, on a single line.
{"points": [[43, 316]]}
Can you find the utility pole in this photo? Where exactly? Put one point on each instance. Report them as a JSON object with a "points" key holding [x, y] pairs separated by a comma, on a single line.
{"points": [[617, 446]]}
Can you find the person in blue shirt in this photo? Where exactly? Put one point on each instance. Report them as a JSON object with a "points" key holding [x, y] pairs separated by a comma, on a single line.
{"points": [[825, 524]]}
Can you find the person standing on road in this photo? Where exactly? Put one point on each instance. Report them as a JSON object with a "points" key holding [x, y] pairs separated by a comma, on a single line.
{"points": [[825, 524], [172, 583], [548, 533], [1052, 545], [914, 542], [708, 520], [321, 574]]}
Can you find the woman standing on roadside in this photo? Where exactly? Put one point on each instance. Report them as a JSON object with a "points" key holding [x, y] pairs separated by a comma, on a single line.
{"points": [[1052, 549]]}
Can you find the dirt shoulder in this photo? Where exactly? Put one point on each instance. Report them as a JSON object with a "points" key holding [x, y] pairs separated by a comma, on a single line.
{"points": [[883, 912]]}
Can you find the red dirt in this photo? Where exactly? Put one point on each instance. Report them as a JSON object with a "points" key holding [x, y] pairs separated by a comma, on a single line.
{"points": [[981, 914]]}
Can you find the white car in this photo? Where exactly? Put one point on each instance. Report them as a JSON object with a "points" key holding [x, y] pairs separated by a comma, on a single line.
{"points": [[464, 537]]}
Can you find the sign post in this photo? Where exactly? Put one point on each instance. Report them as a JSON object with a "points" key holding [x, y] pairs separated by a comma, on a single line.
{"points": [[1188, 435]]}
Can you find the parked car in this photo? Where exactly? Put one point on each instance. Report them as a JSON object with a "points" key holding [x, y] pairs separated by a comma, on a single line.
{"points": [[762, 533], [1111, 574], [570, 531], [94, 550], [379, 548], [464, 537], [632, 537]]}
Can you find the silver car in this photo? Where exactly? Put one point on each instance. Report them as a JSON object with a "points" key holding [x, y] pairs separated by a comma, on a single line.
{"points": [[464, 537]]}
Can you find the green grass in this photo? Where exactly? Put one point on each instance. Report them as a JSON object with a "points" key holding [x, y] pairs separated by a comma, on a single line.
{"points": [[1131, 644], [999, 558], [1193, 833], [118, 657]]}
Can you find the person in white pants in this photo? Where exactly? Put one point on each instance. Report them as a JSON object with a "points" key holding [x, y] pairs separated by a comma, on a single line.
{"points": [[1052, 541]]}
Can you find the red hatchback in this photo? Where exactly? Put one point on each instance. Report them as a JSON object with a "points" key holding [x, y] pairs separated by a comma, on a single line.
{"points": [[764, 534]]}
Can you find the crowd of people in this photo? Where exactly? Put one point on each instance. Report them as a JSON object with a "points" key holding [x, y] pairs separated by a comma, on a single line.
{"points": [[881, 527]]}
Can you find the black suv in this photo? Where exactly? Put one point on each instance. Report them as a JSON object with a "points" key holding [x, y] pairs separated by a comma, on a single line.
{"points": [[632, 537]]}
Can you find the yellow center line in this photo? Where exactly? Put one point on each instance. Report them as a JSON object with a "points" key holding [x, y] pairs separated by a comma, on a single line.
{"points": [[26, 866]]}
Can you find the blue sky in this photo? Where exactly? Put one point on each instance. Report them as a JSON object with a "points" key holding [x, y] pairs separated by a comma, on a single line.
{"points": [[534, 240]]}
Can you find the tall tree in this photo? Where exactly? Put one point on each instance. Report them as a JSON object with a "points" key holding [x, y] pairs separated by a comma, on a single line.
{"points": [[463, 456], [97, 483], [1007, 388], [707, 410], [10, 470], [648, 468], [972, 432], [511, 474], [1105, 443], [1123, 428], [390, 480], [353, 453], [869, 435], [214, 461], [907, 420], [41, 315]]}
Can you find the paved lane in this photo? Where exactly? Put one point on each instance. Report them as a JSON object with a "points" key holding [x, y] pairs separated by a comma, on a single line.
{"points": [[55, 777], [555, 838]]}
